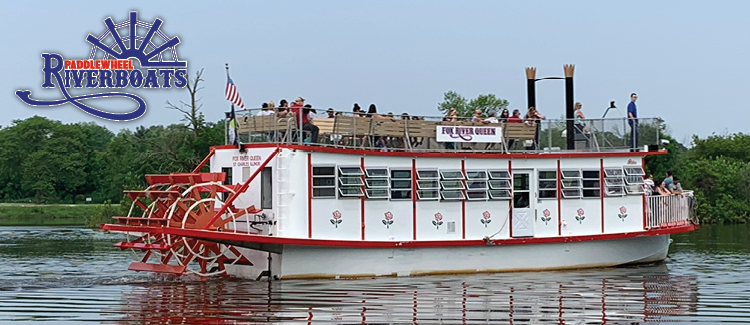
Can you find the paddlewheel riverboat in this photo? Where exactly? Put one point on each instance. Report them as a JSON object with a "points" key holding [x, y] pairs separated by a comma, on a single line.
{"points": [[388, 197]]}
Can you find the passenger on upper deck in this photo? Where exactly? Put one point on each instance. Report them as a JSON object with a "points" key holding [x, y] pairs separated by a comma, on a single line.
{"points": [[677, 187], [356, 110], [330, 113], [578, 117], [303, 118], [491, 118], [283, 105], [477, 117], [504, 115], [265, 110], [648, 184], [533, 118], [516, 118]]}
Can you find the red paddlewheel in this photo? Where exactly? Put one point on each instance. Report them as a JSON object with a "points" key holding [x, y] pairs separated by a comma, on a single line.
{"points": [[188, 201]]}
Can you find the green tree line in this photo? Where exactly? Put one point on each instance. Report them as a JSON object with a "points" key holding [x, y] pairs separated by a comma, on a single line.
{"points": [[46, 161]]}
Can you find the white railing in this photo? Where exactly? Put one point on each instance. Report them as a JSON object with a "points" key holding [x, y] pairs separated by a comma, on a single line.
{"points": [[670, 210]]}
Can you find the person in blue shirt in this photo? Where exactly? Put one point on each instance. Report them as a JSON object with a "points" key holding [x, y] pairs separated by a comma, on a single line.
{"points": [[633, 121]]}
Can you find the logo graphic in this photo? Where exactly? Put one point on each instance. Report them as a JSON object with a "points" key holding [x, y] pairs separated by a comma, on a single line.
{"points": [[115, 68]]}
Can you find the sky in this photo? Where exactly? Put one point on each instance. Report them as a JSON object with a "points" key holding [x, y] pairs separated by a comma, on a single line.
{"points": [[687, 60]]}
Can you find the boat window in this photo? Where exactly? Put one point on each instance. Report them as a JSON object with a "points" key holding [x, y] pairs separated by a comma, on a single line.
{"points": [[499, 174], [401, 184], [266, 188], [547, 184], [350, 171], [571, 183], [324, 182], [591, 183], [377, 193], [228, 172], [613, 172], [476, 195], [428, 174], [401, 173], [476, 174], [499, 184], [452, 195], [452, 174], [634, 171], [476, 185], [570, 193], [376, 172], [571, 173], [428, 195], [634, 180], [400, 194], [351, 191], [350, 181], [452, 185], [614, 182], [500, 194], [429, 184], [377, 182]]}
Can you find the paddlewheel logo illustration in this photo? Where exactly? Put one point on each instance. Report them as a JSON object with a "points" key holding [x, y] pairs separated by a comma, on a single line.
{"points": [[580, 216], [114, 68], [438, 220], [623, 213], [486, 218], [336, 218], [388, 221], [546, 216]]}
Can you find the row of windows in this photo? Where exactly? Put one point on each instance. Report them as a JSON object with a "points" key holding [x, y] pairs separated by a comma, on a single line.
{"points": [[396, 184], [434, 184], [585, 183]]}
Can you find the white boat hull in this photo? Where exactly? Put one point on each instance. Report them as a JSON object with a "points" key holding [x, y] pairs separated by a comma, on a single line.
{"points": [[296, 262]]}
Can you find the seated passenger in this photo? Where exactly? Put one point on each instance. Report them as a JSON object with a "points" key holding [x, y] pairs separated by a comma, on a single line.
{"points": [[491, 118], [303, 118], [330, 113], [477, 117], [504, 115], [516, 118], [265, 110]]}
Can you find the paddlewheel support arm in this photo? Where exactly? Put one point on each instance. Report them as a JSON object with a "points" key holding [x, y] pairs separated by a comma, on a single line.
{"points": [[240, 190], [204, 161]]}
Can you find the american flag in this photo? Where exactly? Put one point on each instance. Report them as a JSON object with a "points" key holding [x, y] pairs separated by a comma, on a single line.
{"points": [[232, 94]]}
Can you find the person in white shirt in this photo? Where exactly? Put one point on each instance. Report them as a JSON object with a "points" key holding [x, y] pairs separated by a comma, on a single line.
{"points": [[648, 184], [265, 110], [491, 118]]}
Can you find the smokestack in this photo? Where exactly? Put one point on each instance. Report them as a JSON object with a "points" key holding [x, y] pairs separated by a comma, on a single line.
{"points": [[569, 102], [531, 87]]}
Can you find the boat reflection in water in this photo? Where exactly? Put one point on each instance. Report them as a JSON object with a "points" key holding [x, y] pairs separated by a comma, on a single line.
{"points": [[615, 295]]}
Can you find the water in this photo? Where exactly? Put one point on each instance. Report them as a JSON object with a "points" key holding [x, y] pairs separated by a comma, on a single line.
{"points": [[74, 276]]}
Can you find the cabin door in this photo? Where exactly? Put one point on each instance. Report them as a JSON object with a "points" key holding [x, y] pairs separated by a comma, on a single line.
{"points": [[523, 204]]}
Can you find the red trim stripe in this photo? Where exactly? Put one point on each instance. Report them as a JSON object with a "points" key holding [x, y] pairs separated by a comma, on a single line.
{"points": [[414, 198], [559, 199], [309, 195], [262, 239], [448, 154], [463, 204], [362, 204], [601, 188], [512, 199]]}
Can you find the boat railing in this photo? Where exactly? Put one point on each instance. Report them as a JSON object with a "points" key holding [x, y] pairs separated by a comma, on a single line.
{"points": [[433, 134], [664, 211]]}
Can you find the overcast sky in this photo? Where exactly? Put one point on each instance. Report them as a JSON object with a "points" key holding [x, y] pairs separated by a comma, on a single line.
{"points": [[688, 61]]}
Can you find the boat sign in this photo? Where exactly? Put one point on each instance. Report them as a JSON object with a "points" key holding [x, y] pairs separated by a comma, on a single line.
{"points": [[469, 134]]}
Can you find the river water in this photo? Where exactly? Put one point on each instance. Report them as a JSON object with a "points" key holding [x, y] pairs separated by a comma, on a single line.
{"points": [[75, 276]]}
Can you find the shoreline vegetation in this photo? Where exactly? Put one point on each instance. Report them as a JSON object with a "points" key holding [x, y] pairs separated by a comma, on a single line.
{"points": [[48, 168]]}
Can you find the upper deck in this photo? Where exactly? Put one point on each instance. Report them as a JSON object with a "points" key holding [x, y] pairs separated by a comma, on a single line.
{"points": [[432, 134]]}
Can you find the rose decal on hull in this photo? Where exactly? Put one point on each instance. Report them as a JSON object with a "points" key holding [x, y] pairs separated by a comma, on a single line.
{"points": [[623, 213], [486, 218], [580, 216], [546, 216], [336, 218], [438, 220], [388, 221]]}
